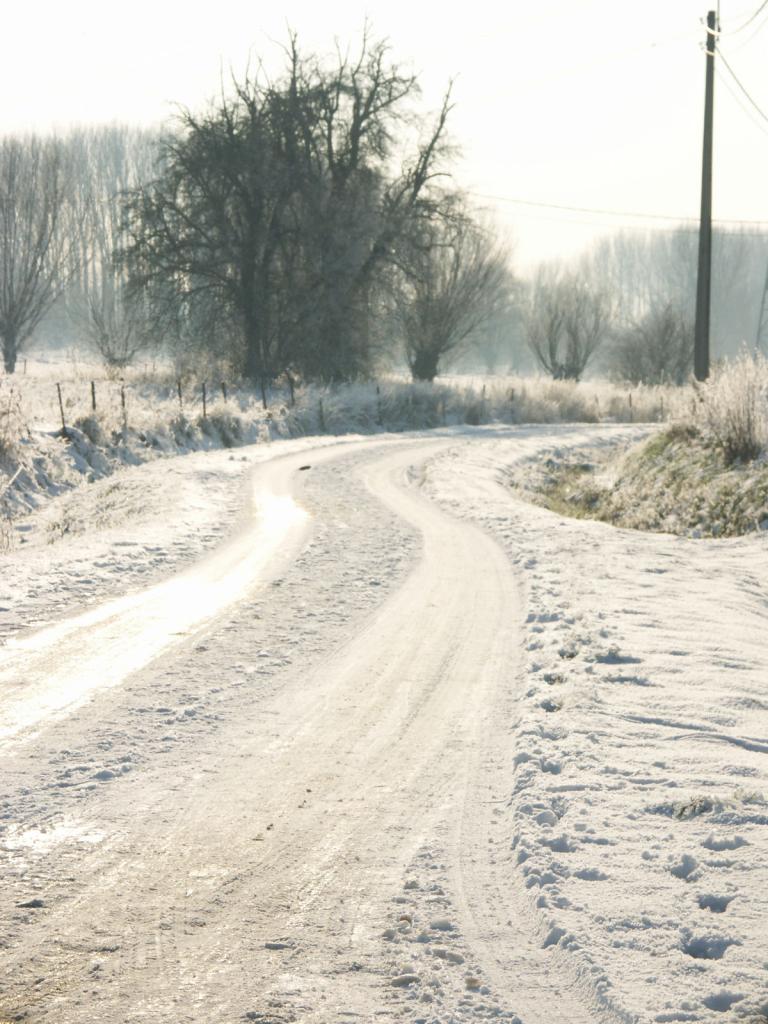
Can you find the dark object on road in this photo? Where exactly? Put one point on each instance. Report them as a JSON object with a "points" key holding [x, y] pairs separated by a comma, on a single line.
{"points": [[304, 467], [31, 905]]}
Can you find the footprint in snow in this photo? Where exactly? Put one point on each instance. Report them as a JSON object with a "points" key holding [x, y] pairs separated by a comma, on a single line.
{"points": [[706, 947], [686, 868], [721, 1002], [716, 844], [715, 904], [550, 705]]}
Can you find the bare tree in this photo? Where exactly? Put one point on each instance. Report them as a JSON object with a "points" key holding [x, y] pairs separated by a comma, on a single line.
{"points": [[208, 228], [647, 271], [32, 251], [355, 202], [110, 161], [455, 277], [118, 325], [567, 320], [657, 349], [280, 206]]}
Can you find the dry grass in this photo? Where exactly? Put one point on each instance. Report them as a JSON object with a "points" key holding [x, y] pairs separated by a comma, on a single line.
{"points": [[704, 475], [731, 409], [151, 403]]}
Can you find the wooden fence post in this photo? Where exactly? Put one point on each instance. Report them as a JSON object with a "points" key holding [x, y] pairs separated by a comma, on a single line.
{"points": [[93, 396], [178, 392], [124, 410], [61, 410], [205, 405]]}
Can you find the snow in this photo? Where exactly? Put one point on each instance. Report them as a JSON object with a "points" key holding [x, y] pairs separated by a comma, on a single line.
{"points": [[416, 766], [637, 819], [129, 529], [63, 664]]}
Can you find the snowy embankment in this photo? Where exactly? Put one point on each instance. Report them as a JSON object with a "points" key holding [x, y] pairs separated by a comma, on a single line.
{"points": [[675, 481], [108, 424], [638, 821]]}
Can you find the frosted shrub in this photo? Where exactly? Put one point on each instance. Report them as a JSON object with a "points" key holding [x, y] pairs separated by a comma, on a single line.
{"points": [[11, 420], [732, 408], [222, 425], [93, 428], [153, 408]]}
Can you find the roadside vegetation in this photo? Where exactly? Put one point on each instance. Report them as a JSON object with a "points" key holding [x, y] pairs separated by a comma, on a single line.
{"points": [[143, 397], [105, 422], [703, 475]]}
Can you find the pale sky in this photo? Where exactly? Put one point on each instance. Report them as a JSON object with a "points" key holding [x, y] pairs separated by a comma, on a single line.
{"points": [[595, 104]]}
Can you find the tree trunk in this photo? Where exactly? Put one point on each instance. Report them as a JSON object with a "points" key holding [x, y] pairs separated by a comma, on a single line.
{"points": [[255, 370], [10, 352], [424, 365], [252, 365]]}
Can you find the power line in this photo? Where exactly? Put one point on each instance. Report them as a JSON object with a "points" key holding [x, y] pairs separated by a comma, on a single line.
{"points": [[743, 43], [736, 79], [610, 213], [725, 81], [636, 215], [750, 19]]}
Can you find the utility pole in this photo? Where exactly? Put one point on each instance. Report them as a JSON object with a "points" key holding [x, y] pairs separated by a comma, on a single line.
{"points": [[761, 339], [704, 277]]}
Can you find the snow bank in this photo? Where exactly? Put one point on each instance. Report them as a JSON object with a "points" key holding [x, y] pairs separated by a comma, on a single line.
{"points": [[676, 481], [637, 821]]}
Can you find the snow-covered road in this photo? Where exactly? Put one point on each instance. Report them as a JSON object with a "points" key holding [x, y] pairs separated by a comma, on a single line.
{"points": [[373, 757], [53, 670]]}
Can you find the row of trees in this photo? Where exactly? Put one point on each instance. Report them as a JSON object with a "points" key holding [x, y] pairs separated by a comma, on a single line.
{"points": [[301, 226], [60, 227], [568, 321], [307, 226], [629, 305]]}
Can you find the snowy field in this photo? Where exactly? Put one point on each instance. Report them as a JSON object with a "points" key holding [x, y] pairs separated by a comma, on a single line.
{"points": [[376, 739]]}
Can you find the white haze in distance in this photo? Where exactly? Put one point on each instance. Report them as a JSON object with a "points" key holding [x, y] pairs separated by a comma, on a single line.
{"points": [[596, 104]]}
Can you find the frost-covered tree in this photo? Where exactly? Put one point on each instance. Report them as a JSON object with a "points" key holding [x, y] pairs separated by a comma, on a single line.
{"points": [[358, 199], [567, 320], [33, 250], [657, 349], [646, 271], [109, 161], [455, 277]]}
